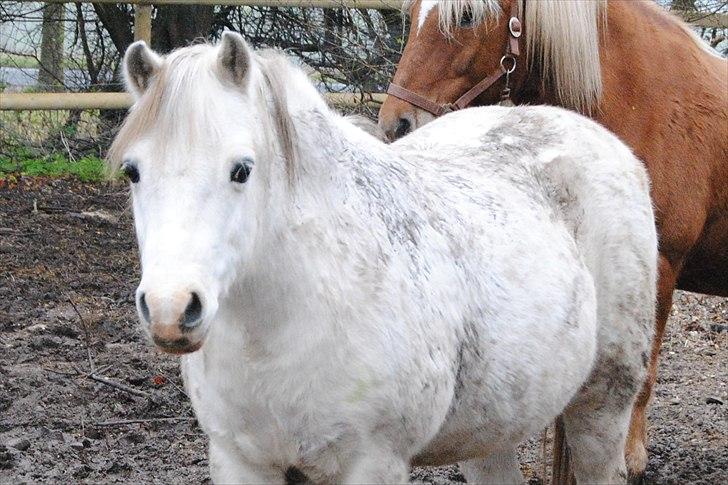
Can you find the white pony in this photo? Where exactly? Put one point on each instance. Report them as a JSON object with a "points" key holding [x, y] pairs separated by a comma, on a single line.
{"points": [[349, 308]]}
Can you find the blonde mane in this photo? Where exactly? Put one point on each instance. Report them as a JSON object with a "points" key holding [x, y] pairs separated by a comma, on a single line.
{"points": [[562, 38]]}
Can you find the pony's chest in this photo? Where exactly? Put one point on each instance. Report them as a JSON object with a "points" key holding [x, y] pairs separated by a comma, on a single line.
{"points": [[270, 422]]}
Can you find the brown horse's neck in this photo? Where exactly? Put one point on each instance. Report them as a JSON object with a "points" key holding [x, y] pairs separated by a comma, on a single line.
{"points": [[652, 71], [667, 98], [645, 54]]}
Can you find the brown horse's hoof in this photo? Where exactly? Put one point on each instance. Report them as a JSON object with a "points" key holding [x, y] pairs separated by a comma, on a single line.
{"points": [[637, 479]]}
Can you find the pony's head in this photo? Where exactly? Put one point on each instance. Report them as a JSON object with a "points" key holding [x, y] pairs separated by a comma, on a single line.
{"points": [[453, 45], [200, 148]]}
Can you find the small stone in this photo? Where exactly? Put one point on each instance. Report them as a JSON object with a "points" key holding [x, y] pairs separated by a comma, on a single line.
{"points": [[76, 445], [81, 471], [674, 401], [713, 400], [137, 379], [135, 437], [6, 458], [718, 327], [21, 444]]}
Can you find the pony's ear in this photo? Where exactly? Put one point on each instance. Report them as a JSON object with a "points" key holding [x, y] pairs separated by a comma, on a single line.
{"points": [[234, 58], [140, 65]]}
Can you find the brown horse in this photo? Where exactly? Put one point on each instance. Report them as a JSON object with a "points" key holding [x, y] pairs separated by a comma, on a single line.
{"points": [[630, 65]]}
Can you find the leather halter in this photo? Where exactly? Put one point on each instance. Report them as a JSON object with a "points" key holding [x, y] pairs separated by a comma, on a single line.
{"points": [[505, 69]]}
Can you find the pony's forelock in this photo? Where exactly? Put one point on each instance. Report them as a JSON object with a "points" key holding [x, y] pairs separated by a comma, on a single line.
{"points": [[170, 91], [175, 90]]}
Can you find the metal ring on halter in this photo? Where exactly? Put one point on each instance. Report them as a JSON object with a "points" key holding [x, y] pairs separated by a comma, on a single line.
{"points": [[514, 25], [503, 64]]}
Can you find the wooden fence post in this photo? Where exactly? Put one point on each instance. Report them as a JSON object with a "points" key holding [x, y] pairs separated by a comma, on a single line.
{"points": [[143, 23]]}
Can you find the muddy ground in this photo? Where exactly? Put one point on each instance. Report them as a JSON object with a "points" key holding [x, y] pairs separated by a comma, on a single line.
{"points": [[68, 268]]}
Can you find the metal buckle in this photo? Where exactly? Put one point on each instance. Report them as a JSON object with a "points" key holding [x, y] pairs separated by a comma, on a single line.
{"points": [[503, 64], [448, 108], [514, 25]]}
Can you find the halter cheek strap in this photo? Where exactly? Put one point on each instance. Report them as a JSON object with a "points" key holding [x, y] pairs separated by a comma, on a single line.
{"points": [[507, 66]]}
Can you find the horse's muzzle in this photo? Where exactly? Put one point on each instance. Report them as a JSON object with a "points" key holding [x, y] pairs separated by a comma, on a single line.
{"points": [[174, 320]]}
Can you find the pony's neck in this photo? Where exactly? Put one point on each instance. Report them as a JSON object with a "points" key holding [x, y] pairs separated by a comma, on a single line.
{"points": [[306, 219]]}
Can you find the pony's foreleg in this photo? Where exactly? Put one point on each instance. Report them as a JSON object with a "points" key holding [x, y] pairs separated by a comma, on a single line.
{"points": [[636, 449], [227, 466], [596, 442], [376, 464], [499, 467]]}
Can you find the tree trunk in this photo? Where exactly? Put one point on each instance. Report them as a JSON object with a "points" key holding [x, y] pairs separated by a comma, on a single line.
{"points": [[50, 74], [179, 25]]}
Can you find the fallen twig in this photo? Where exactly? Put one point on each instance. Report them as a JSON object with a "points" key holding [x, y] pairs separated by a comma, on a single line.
{"points": [[123, 422], [7, 230], [50, 209], [60, 373], [85, 335], [118, 385], [543, 455], [85, 374]]}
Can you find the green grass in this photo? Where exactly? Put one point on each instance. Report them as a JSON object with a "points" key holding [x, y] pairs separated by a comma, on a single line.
{"points": [[17, 60], [22, 162], [28, 61]]}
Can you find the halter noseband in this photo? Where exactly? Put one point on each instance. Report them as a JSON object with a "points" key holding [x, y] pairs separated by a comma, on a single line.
{"points": [[507, 66]]}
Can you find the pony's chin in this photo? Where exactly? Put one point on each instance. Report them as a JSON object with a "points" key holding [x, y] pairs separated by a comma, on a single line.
{"points": [[179, 346]]}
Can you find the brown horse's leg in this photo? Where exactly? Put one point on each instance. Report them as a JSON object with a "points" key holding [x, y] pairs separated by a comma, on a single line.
{"points": [[636, 452], [561, 471]]}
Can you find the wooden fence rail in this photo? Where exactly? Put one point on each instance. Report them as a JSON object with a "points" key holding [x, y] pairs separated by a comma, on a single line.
{"points": [[143, 31], [67, 101]]}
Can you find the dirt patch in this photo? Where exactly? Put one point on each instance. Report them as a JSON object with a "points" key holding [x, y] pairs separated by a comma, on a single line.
{"points": [[68, 269]]}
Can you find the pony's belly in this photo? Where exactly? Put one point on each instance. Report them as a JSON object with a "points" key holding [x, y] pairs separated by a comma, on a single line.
{"points": [[502, 403], [486, 423]]}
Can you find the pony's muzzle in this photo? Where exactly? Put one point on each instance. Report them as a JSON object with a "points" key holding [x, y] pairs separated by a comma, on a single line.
{"points": [[174, 319]]}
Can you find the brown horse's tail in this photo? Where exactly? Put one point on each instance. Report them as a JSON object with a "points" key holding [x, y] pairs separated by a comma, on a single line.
{"points": [[561, 471]]}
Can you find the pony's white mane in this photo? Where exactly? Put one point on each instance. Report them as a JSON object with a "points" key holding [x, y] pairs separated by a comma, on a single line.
{"points": [[562, 39]]}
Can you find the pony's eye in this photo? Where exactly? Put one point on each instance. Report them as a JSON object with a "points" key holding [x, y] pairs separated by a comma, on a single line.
{"points": [[130, 170], [241, 170], [467, 20]]}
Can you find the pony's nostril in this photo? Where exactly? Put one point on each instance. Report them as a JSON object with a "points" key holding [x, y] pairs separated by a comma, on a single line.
{"points": [[144, 308], [403, 127], [193, 312]]}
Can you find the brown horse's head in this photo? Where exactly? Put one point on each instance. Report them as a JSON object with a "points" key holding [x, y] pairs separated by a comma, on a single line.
{"points": [[450, 49], [455, 44]]}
